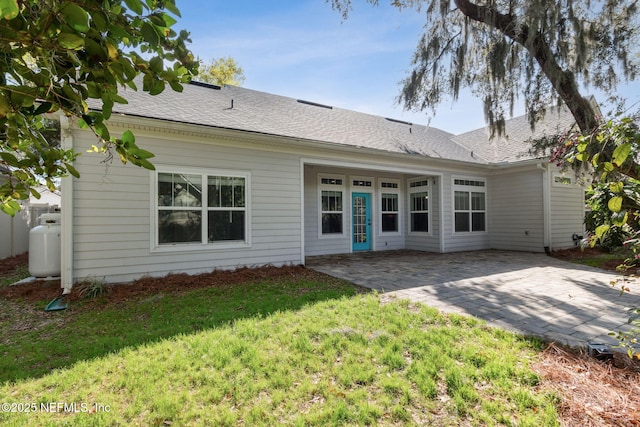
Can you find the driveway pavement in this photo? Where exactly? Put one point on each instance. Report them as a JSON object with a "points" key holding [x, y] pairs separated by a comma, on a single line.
{"points": [[524, 292]]}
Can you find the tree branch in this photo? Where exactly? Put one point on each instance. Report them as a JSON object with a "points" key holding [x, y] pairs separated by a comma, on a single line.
{"points": [[563, 81]]}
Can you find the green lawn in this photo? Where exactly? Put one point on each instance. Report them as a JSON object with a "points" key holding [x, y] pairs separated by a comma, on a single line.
{"points": [[274, 353]]}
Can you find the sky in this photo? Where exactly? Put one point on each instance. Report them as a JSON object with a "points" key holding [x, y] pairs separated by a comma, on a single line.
{"points": [[305, 50]]}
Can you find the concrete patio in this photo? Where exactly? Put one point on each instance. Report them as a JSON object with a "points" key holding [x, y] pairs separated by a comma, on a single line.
{"points": [[528, 293]]}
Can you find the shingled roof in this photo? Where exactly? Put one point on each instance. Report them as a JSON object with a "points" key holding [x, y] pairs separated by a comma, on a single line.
{"points": [[237, 108], [514, 146]]}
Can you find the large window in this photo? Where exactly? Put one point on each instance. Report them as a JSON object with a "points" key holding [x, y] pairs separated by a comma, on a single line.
{"points": [[389, 206], [419, 205], [469, 205], [332, 206], [201, 208]]}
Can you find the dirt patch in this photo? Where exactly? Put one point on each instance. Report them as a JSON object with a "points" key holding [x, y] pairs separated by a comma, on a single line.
{"points": [[172, 284], [12, 264], [604, 259]]}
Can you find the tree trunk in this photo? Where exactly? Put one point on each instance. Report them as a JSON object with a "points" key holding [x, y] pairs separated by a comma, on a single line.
{"points": [[563, 81]]}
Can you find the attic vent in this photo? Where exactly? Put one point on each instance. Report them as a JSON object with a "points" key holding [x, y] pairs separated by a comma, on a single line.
{"points": [[399, 121], [203, 84], [315, 104]]}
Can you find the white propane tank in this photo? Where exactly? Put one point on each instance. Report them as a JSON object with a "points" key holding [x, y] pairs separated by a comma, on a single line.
{"points": [[44, 247]]}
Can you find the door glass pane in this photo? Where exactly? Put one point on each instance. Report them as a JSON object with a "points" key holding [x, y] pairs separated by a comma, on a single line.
{"points": [[359, 219]]}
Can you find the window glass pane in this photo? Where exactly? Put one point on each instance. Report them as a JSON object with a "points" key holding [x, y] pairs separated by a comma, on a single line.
{"points": [[238, 192], [389, 203], [389, 222], [226, 225], [179, 226], [478, 222], [420, 222], [462, 221], [420, 201], [461, 200], [477, 201], [331, 223], [226, 192], [332, 201], [175, 189]]}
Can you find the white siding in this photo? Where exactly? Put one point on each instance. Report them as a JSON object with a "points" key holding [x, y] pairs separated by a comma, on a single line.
{"points": [[517, 211], [567, 213], [113, 212]]}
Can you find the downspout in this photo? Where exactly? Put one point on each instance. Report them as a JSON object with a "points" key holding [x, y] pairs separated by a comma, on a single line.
{"points": [[546, 207], [66, 234]]}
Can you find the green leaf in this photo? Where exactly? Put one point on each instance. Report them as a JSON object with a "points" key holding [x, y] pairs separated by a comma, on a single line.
{"points": [[582, 157], [76, 17], [621, 153], [42, 108], [156, 65], [616, 187], [620, 218], [72, 170], [9, 9], [601, 230], [582, 147], [70, 41], [128, 137], [9, 159], [10, 207], [615, 204], [134, 5], [150, 34]]}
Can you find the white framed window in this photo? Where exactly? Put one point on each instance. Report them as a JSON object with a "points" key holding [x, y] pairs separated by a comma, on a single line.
{"points": [[200, 207], [389, 206], [561, 180], [469, 205], [332, 191], [419, 193]]}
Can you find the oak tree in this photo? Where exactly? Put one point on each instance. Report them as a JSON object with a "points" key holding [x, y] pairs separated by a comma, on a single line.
{"points": [[504, 50]]}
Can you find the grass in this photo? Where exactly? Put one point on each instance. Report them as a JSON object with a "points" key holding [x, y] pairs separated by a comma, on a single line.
{"points": [[290, 353]]}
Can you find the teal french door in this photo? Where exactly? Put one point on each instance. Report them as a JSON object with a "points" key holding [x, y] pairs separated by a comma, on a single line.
{"points": [[361, 221]]}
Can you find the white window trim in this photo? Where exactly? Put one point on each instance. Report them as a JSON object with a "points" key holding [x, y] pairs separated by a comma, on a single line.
{"points": [[470, 188], [428, 188], [329, 187], [190, 247], [398, 191]]}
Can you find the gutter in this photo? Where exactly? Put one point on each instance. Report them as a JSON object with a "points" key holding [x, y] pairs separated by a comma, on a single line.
{"points": [[66, 233]]}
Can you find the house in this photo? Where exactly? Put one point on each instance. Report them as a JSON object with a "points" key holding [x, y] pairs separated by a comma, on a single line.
{"points": [[246, 178]]}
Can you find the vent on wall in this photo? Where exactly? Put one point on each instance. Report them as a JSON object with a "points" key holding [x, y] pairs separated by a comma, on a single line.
{"points": [[315, 104]]}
